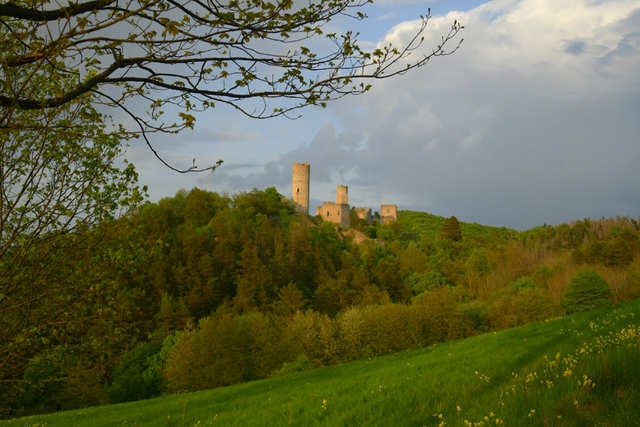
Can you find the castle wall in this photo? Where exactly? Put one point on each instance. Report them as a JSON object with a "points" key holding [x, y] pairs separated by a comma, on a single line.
{"points": [[365, 214], [335, 212], [389, 213], [300, 189]]}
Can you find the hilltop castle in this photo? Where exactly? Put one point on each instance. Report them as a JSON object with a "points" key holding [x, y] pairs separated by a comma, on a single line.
{"points": [[337, 212]]}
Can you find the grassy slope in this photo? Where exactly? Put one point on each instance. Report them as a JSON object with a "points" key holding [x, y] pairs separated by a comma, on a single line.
{"points": [[408, 388], [422, 223]]}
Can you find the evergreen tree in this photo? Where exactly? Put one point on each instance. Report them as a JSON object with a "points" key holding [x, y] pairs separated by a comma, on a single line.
{"points": [[291, 300], [587, 291], [450, 230]]}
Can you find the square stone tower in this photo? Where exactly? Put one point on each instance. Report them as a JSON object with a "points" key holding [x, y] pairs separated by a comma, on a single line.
{"points": [[300, 190], [389, 213], [337, 212]]}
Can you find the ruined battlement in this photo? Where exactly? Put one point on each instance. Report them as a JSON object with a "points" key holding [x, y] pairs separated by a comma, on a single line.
{"points": [[335, 212], [339, 211], [364, 213]]}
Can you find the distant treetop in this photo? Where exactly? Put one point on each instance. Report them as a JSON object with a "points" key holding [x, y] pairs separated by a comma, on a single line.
{"points": [[450, 230]]}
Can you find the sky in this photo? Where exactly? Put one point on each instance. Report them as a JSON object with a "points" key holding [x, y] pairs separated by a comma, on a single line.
{"points": [[534, 120]]}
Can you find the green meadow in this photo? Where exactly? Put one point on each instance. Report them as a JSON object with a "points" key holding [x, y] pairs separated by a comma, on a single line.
{"points": [[579, 370]]}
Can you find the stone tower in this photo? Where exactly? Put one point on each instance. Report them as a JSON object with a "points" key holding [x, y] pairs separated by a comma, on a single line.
{"points": [[389, 213], [342, 195], [300, 188]]}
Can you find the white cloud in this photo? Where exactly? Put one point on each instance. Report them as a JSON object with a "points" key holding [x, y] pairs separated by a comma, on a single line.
{"points": [[385, 16], [423, 121], [534, 120], [531, 121]]}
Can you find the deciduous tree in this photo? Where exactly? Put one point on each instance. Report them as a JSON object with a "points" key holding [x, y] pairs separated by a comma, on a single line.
{"points": [[56, 188]]}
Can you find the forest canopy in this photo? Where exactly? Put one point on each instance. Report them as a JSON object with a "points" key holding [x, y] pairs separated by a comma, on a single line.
{"points": [[204, 279], [72, 285]]}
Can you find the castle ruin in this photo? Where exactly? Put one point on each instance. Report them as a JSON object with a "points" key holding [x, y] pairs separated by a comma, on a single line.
{"points": [[339, 211], [364, 213], [389, 213]]}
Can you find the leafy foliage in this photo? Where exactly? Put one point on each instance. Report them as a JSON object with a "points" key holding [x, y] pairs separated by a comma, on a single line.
{"points": [[254, 288], [428, 281], [301, 364], [478, 263], [523, 283], [451, 230], [225, 350], [430, 225], [60, 193], [128, 381]]}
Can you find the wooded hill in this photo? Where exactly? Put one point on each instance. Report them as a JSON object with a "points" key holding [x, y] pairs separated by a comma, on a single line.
{"points": [[202, 290]]}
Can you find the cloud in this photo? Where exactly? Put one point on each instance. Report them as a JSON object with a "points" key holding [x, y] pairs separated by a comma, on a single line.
{"points": [[533, 120], [225, 135], [385, 16], [575, 47]]}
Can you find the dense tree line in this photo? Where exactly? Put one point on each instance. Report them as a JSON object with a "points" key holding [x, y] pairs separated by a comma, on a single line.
{"points": [[204, 290]]}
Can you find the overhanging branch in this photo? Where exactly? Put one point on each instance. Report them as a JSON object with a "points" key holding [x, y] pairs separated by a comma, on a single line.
{"points": [[12, 10]]}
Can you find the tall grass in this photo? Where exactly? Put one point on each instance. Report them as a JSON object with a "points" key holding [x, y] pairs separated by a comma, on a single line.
{"points": [[580, 370]]}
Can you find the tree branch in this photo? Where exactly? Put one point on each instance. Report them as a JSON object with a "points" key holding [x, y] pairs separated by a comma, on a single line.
{"points": [[31, 104], [12, 10]]}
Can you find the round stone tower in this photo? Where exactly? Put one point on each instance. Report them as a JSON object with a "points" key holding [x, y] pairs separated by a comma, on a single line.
{"points": [[342, 196], [300, 188]]}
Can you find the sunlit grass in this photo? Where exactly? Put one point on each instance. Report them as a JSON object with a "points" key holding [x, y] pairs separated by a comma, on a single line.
{"points": [[581, 370]]}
